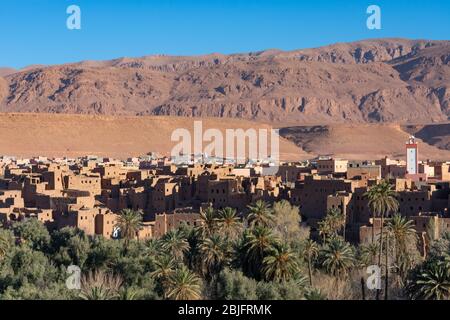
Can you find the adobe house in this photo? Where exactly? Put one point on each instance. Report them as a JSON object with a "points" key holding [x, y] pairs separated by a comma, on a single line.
{"points": [[331, 166], [90, 183], [166, 222], [105, 221]]}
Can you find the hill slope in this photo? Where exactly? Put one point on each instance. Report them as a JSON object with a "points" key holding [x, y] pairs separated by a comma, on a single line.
{"points": [[125, 136], [59, 135], [368, 141]]}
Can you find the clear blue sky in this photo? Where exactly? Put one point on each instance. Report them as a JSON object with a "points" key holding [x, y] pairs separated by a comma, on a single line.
{"points": [[34, 31]]}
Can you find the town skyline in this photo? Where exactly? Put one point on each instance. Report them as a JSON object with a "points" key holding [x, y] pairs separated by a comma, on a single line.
{"points": [[323, 202]]}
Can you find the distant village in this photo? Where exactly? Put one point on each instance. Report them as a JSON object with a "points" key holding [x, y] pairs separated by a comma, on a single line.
{"points": [[89, 192]]}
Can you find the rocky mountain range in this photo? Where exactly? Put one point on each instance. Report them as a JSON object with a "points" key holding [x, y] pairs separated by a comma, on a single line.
{"points": [[385, 80]]}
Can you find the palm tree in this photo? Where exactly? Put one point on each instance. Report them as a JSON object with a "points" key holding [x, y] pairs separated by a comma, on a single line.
{"points": [[310, 251], [338, 259], [280, 264], [369, 253], [215, 254], [184, 285], [175, 243], [129, 294], [333, 222], [260, 215], [129, 223], [98, 285], [4, 246], [228, 223], [338, 221], [314, 294], [208, 219], [194, 238], [164, 268], [431, 282], [153, 247], [165, 265], [446, 262], [256, 244], [382, 200], [259, 241], [404, 234], [325, 229]]}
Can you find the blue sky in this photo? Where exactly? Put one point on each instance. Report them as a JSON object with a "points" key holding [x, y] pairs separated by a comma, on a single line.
{"points": [[34, 31]]}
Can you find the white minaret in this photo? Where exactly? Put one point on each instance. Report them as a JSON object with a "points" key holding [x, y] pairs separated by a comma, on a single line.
{"points": [[412, 156]]}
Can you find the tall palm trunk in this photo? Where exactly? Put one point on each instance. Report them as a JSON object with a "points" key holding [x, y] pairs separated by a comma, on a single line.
{"points": [[386, 279], [345, 222], [363, 288], [381, 240], [381, 251], [373, 229], [338, 277], [396, 258], [310, 271], [125, 245], [394, 250], [424, 246]]}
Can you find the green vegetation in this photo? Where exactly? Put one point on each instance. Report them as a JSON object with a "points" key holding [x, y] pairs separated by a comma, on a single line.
{"points": [[265, 254], [129, 223]]}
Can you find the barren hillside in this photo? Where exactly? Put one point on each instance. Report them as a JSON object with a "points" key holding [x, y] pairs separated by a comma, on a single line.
{"points": [[368, 141], [56, 135], [387, 80], [124, 136]]}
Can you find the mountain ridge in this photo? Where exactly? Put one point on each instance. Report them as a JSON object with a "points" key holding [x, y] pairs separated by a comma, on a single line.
{"points": [[371, 81]]}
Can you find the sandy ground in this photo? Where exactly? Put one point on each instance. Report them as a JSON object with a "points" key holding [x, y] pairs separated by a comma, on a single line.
{"points": [[57, 135]]}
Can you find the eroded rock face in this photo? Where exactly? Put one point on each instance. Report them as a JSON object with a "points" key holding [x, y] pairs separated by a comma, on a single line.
{"points": [[390, 80]]}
